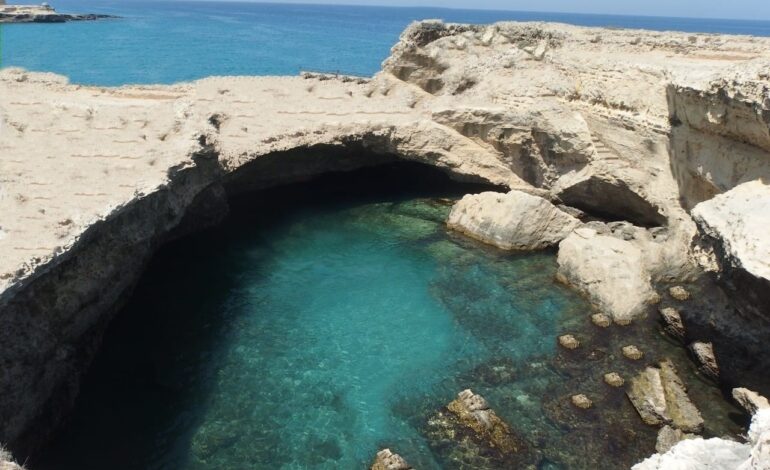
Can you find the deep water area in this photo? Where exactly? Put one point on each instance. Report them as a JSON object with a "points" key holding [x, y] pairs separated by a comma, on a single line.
{"points": [[324, 321]]}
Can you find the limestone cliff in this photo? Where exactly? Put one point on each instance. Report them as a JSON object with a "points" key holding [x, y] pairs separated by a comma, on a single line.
{"points": [[619, 124]]}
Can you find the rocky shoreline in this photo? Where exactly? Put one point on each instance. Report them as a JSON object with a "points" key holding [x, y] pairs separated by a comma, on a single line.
{"points": [[643, 156], [43, 14]]}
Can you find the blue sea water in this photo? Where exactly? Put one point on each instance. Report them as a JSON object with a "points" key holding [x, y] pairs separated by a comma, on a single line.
{"points": [[166, 42]]}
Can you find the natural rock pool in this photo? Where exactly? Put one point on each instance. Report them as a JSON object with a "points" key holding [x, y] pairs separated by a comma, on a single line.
{"points": [[326, 321]]}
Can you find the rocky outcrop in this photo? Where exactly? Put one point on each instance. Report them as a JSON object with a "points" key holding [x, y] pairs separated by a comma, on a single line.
{"points": [[512, 221], [42, 14], [469, 431], [705, 358], [736, 224], [387, 460], [7, 462], [696, 453], [668, 437], [672, 323], [584, 116], [660, 397], [608, 270]]}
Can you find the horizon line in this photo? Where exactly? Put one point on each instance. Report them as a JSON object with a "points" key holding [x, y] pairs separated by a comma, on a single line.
{"points": [[451, 8]]}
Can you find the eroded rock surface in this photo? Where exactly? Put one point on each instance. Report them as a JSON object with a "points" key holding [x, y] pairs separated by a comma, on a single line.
{"points": [[96, 179], [737, 223], [468, 432], [660, 397], [608, 270], [512, 221], [717, 453], [387, 460]]}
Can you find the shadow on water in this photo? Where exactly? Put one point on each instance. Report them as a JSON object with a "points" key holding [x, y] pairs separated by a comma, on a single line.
{"points": [[152, 381]]}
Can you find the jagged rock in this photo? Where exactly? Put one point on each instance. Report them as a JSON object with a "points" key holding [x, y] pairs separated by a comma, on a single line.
{"points": [[468, 430], [679, 293], [697, 453], [707, 361], [569, 342], [574, 124], [660, 397], [7, 462], [632, 352], [581, 401], [512, 221], [613, 379], [601, 320], [609, 271], [672, 320], [668, 437], [750, 401], [736, 224], [387, 460]]}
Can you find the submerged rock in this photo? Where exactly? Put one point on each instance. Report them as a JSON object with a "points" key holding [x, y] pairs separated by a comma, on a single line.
{"points": [[632, 352], [569, 342], [581, 401], [387, 460], [668, 437], [660, 397], [673, 323], [707, 361], [613, 379], [679, 293], [601, 320], [468, 432], [512, 221]]}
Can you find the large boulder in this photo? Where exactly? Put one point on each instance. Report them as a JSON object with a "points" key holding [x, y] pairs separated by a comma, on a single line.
{"points": [[609, 270], [698, 453], [512, 221], [660, 397], [737, 224]]}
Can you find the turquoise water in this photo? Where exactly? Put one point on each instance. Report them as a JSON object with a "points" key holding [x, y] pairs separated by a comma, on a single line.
{"points": [[323, 322], [166, 42]]}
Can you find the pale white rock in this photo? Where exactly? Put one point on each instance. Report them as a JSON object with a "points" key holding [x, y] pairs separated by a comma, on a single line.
{"points": [[512, 221], [610, 271], [717, 453], [738, 223]]}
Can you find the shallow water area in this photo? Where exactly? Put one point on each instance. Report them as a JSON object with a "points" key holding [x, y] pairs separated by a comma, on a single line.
{"points": [[325, 321]]}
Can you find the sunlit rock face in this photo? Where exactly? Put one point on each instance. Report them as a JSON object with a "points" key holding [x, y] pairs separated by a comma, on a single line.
{"points": [[652, 122]]}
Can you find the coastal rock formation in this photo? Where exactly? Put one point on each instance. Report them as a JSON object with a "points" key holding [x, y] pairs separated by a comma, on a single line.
{"points": [[736, 224], [602, 267], [568, 342], [625, 126], [387, 460], [672, 322], [668, 437], [41, 14], [660, 397], [469, 430], [695, 453], [7, 462], [750, 401], [512, 221], [705, 358]]}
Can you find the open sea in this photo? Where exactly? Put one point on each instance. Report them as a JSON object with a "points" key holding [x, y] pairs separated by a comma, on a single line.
{"points": [[167, 42]]}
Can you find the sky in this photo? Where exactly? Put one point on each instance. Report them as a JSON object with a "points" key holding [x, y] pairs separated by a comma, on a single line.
{"points": [[739, 9]]}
